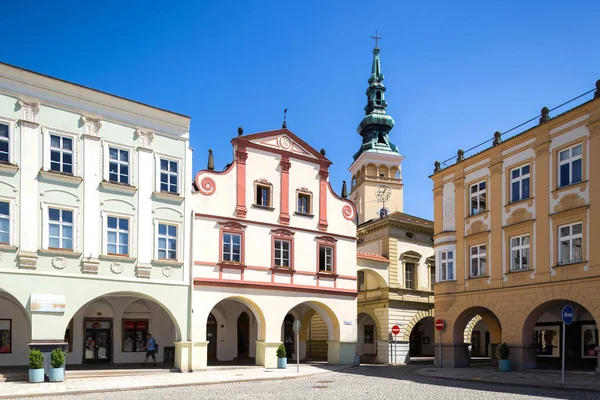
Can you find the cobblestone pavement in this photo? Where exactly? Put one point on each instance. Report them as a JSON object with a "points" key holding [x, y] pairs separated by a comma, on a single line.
{"points": [[365, 382]]}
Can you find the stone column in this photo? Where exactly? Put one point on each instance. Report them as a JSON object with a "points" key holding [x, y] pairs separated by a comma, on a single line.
{"points": [[523, 356], [453, 355]]}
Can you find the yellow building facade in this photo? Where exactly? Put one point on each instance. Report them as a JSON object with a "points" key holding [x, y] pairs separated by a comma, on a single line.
{"points": [[516, 239]]}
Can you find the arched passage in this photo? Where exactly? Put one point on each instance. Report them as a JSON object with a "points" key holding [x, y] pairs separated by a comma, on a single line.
{"points": [[462, 353], [238, 323], [15, 330], [542, 337], [113, 328]]}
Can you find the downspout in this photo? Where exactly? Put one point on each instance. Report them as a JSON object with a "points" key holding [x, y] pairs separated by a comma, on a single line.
{"points": [[191, 287]]}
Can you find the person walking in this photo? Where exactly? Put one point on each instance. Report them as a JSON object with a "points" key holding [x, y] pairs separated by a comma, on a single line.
{"points": [[150, 349]]}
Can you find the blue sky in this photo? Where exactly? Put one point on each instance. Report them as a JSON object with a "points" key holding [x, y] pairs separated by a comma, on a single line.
{"points": [[455, 71]]}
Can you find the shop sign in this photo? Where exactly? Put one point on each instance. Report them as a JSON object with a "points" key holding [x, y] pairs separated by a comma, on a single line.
{"points": [[48, 303]]}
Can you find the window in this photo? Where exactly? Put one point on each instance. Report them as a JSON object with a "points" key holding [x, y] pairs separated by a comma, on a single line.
{"points": [[589, 341], [360, 281], [60, 229], [4, 222], [263, 196], [61, 154], [570, 166], [409, 275], [519, 253], [383, 212], [5, 336], [520, 184], [478, 260], [118, 165], [546, 339], [570, 243], [167, 242], [232, 247], [117, 236], [282, 253], [4, 144], [303, 203], [478, 198], [326, 258], [432, 276], [447, 265], [169, 176], [134, 335]]}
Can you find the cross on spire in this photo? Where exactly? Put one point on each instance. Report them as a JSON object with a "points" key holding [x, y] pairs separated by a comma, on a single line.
{"points": [[376, 37]]}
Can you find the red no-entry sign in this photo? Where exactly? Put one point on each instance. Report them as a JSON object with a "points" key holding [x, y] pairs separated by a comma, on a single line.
{"points": [[395, 330], [439, 325]]}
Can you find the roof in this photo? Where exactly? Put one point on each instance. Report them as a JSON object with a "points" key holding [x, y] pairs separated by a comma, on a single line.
{"points": [[95, 90], [371, 256], [401, 217]]}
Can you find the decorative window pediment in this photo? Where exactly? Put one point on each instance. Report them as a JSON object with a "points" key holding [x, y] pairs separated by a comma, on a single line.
{"points": [[410, 256]]}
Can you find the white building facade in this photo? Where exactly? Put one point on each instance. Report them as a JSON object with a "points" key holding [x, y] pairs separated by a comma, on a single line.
{"points": [[272, 244], [93, 223]]}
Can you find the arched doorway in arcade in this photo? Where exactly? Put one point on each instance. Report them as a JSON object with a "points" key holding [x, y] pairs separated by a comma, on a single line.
{"points": [[483, 321], [232, 328], [421, 339], [542, 334], [289, 337], [15, 331], [368, 335]]}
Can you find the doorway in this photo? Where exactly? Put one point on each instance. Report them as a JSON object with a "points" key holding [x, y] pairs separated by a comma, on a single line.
{"points": [[243, 330], [289, 337], [97, 341], [211, 336]]}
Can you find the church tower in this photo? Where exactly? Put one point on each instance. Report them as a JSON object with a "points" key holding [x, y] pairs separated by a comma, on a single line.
{"points": [[376, 187]]}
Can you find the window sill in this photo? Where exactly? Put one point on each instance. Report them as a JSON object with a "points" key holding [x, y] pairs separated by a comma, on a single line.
{"points": [[173, 197], [479, 214], [116, 257], [171, 263], [118, 187], [267, 208], [232, 265], [571, 264], [60, 177], [528, 200], [282, 270], [518, 271], [304, 215], [60, 252], [8, 169], [471, 278], [8, 247], [581, 185], [327, 274]]}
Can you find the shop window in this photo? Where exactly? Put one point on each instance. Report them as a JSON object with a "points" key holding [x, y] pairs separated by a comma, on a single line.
{"points": [[134, 335], [5, 336], [589, 341], [547, 340]]}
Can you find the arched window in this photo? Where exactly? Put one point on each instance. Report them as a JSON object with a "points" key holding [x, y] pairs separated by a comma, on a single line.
{"points": [[397, 174], [378, 95], [353, 182], [383, 212]]}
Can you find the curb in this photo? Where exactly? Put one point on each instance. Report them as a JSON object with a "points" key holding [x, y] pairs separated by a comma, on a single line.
{"points": [[160, 386], [518, 384]]}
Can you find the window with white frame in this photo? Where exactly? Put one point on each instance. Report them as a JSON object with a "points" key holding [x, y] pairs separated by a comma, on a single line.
{"points": [[520, 183], [4, 222], [169, 176], [167, 242], [478, 260], [61, 154], [326, 258], [446, 265], [4, 143], [360, 281], [232, 247], [117, 235], [570, 166], [282, 253], [570, 243], [432, 276], [118, 165], [477, 194], [519, 253], [60, 229], [409, 275]]}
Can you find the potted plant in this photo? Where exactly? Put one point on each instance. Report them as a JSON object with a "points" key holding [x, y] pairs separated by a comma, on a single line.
{"points": [[36, 366], [502, 352], [281, 357], [57, 360]]}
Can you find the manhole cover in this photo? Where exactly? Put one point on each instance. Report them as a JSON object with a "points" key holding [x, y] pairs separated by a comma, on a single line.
{"points": [[319, 387], [324, 381]]}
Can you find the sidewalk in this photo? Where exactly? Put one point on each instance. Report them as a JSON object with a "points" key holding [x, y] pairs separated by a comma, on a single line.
{"points": [[158, 380], [531, 378]]}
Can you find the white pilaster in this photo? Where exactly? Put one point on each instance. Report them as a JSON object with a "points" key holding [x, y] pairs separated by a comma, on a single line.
{"points": [[92, 153], [145, 245]]}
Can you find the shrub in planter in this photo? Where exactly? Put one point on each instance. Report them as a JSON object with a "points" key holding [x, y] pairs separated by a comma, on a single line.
{"points": [[57, 360], [36, 366], [281, 357], [502, 352]]}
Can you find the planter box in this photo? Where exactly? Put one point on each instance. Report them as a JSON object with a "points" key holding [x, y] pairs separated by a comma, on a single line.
{"points": [[282, 363], [57, 374], [504, 365], [36, 375]]}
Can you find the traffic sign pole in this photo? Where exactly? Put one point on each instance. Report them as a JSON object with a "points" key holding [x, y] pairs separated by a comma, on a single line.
{"points": [[567, 318], [395, 332], [440, 325], [563, 354], [296, 328], [440, 351]]}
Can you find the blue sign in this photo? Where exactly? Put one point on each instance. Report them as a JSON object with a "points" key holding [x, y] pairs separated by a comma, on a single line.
{"points": [[567, 315]]}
